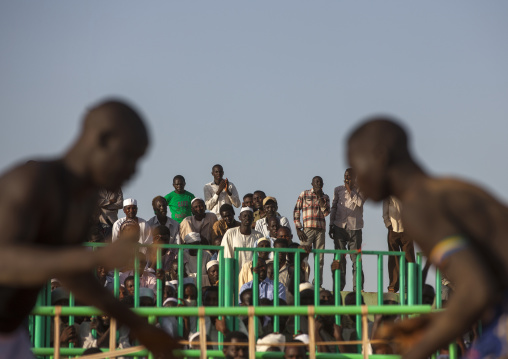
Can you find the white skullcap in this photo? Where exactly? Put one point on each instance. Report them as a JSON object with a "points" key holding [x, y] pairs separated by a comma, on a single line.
{"points": [[270, 341], [192, 337], [189, 280], [192, 237], [195, 199], [146, 292], [174, 283], [211, 264], [130, 202], [246, 209], [169, 300], [263, 239], [304, 338], [54, 280], [306, 286], [269, 261]]}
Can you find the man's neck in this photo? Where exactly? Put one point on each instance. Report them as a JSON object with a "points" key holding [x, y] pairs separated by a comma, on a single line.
{"points": [[217, 182], [403, 177], [200, 217], [133, 218], [75, 163], [245, 230], [162, 219]]}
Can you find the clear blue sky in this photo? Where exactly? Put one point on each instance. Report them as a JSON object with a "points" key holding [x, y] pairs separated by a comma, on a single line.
{"points": [[269, 89]]}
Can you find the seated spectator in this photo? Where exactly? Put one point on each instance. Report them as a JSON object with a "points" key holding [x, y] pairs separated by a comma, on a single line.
{"points": [[160, 208], [212, 274], [101, 325], [270, 339], [295, 352], [55, 283], [179, 201], [214, 252], [130, 208], [245, 274], [243, 236], [173, 271], [285, 233], [228, 221], [247, 201], [146, 297], [68, 333], [266, 288], [146, 278], [236, 350], [170, 323], [199, 222], [100, 273], [190, 255], [283, 263], [270, 209], [220, 191], [160, 235], [246, 298], [109, 203]]}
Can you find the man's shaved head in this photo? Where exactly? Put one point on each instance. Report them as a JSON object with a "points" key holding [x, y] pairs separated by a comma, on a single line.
{"points": [[112, 140], [373, 148]]}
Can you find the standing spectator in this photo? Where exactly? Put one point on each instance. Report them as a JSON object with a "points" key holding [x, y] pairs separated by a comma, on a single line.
{"points": [[248, 200], [257, 202], [160, 208], [397, 240], [228, 221], [315, 206], [179, 201], [270, 210], [130, 208], [346, 222], [200, 222], [110, 202], [243, 236], [219, 192]]}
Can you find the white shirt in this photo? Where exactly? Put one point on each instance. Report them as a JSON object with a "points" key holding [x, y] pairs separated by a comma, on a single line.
{"points": [[262, 226], [392, 215], [191, 262], [144, 231], [173, 226], [214, 202], [233, 238], [347, 209]]}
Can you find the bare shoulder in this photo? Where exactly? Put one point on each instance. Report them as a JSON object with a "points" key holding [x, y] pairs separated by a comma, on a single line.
{"points": [[23, 182]]}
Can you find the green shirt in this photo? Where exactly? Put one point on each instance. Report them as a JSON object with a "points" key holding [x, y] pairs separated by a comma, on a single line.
{"points": [[179, 205]]}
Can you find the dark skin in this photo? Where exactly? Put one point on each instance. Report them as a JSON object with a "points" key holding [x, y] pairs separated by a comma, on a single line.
{"points": [[282, 256], [248, 202], [435, 209], [213, 274], [131, 212], [160, 208], [284, 233], [257, 201], [349, 183], [260, 269], [228, 217], [264, 255], [293, 352], [198, 209], [246, 218], [179, 186], [234, 351], [37, 200], [317, 186], [273, 226], [218, 173], [129, 286], [270, 208]]}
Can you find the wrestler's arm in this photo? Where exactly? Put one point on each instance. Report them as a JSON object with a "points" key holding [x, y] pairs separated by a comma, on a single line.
{"points": [[87, 289], [22, 262]]}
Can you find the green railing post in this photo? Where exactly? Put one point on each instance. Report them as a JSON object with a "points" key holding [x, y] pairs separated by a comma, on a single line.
{"points": [[116, 283], [199, 277], [411, 284], [181, 269], [276, 289], [47, 333], [159, 283], [419, 273], [336, 289], [222, 285], [316, 277], [439, 301], [452, 351], [297, 290], [236, 290], [402, 281], [71, 317], [380, 278], [39, 322], [359, 297], [230, 289], [255, 291], [136, 280]]}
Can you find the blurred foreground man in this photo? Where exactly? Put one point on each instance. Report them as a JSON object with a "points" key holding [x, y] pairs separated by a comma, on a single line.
{"points": [[45, 209], [461, 228]]}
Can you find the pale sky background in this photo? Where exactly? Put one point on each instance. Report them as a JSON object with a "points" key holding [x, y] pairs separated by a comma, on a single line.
{"points": [[269, 89]]}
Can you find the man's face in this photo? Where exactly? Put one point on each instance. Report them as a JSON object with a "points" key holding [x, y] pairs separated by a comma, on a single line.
{"points": [[257, 200], [370, 170], [161, 239], [160, 208], [261, 270], [194, 252], [282, 256], [317, 183], [190, 293], [264, 244], [270, 208], [246, 218], [349, 177], [101, 273], [273, 226], [248, 202], [130, 211], [294, 353], [213, 274], [234, 351], [269, 271], [179, 185], [198, 208], [211, 299], [173, 271], [217, 173], [129, 285], [284, 233], [325, 297], [228, 217], [246, 298]]}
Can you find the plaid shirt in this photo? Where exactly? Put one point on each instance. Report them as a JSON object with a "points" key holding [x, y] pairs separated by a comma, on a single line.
{"points": [[313, 214]]}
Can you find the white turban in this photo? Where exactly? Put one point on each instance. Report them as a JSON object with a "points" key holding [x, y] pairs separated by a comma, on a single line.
{"points": [[304, 338], [306, 286], [169, 300], [246, 209], [146, 292], [130, 202], [211, 264], [271, 340], [192, 237], [195, 199], [263, 239]]}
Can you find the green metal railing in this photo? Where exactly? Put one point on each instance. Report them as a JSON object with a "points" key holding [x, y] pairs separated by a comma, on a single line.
{"points": [[228, 294]]}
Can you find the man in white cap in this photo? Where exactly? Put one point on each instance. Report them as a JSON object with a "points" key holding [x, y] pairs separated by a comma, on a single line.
{"points": [[273, 342], [220, 191], [212, 274], [190, 255], [270, 208], [243, 236], [130, 208], [200, 221]]}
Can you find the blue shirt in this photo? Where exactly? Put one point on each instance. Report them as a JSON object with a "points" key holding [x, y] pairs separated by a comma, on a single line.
{"points": [[265, 289]]}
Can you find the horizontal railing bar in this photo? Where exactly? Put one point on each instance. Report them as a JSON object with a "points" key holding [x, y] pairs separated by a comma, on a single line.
{"points": [[235, 311], [332, 251]]}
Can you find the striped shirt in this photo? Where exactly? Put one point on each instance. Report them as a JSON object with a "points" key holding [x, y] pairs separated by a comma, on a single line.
{"points": [[312, 212]]}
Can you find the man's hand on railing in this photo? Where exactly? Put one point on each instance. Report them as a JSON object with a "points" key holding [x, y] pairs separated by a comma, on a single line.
{"points": [[220, 325], [335, 265], [69, 335]]}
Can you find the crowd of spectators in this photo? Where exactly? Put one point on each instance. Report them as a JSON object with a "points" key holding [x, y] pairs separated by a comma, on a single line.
{"points": [[213, 220]]}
